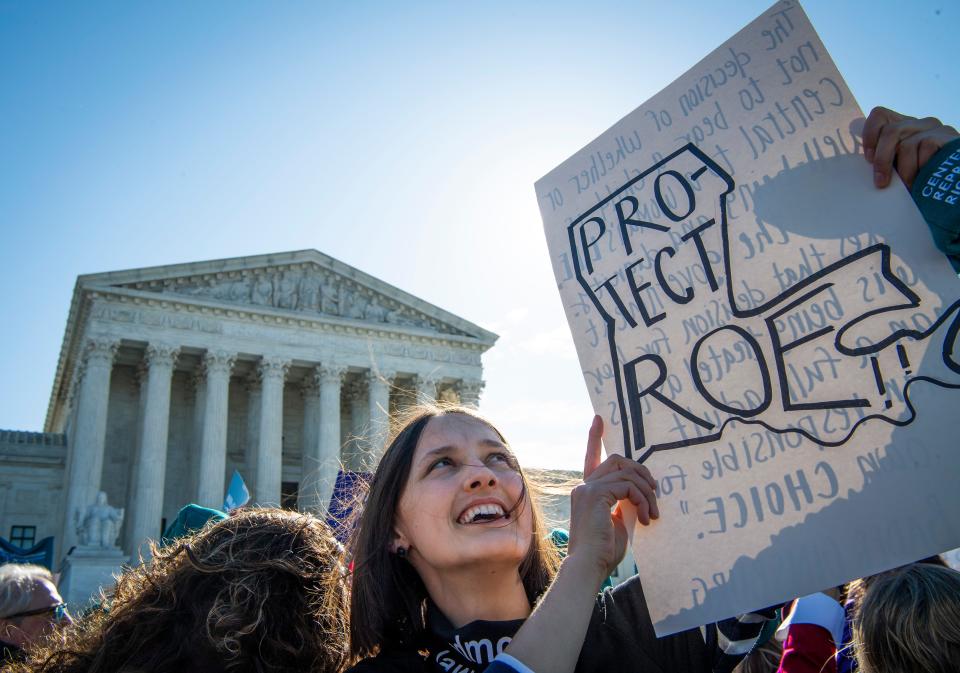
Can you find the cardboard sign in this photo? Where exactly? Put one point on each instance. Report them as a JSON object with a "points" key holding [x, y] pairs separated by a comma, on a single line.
{"points": [[772, 335]]}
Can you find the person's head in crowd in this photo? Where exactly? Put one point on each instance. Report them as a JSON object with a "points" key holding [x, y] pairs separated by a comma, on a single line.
{"points": [[448, 498], [909, 620], [262, 591], [190, 519], [30, 605], [855, 590]]}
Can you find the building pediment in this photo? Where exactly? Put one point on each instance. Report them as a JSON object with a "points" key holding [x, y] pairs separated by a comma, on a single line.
{"points": [[305, 283], [301, 289]]}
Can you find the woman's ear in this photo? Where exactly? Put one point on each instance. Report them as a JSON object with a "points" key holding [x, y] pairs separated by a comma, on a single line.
{"points": [[399, 541]]}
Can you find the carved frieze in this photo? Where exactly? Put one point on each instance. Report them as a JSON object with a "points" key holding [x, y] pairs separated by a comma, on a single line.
{"points": [[468, 354], [417, 351], [149, 318], [303, 288]]}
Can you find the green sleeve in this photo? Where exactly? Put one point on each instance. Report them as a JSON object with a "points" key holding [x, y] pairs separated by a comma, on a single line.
{"points": [[936, 191]]}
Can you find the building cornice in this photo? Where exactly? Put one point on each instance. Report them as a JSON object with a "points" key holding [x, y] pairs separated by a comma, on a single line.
{"points": [[76, 319], [273, 316]]}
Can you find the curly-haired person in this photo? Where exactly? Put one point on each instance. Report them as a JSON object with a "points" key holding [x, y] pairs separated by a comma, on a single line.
{"points": [[262, 590]]}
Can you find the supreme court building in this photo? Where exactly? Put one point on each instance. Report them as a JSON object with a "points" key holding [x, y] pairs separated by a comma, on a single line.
{"points": [[281, 366]]}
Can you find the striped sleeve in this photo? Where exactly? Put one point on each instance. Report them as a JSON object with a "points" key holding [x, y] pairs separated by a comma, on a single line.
{"points": [[732, 639]]}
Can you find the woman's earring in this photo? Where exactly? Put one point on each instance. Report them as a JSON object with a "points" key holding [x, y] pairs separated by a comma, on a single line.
{"points": [[402, 552]]}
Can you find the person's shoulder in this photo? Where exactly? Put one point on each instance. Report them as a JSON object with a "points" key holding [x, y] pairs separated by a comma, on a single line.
{"points": [[626, 596], [621, 610], [390, 662], [621, 632]]}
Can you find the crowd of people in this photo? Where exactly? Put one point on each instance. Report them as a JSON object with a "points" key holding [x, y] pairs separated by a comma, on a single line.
{"points": [[450, 566]]}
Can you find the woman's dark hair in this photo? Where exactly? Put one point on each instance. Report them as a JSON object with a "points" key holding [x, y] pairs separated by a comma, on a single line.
{"points": [[388, 599], [263, 590]]}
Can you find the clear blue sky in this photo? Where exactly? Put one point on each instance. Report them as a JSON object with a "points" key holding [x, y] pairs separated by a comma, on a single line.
{"points": [[401, 138]]}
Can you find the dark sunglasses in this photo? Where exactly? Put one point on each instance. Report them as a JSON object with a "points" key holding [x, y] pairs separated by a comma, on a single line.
{"points": [[59, 612]]}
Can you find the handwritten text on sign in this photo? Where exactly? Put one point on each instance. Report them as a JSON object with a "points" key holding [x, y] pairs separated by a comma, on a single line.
{"points": [[774, 337]]}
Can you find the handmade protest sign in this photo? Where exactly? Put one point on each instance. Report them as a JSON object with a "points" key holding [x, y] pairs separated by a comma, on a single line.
{"points": [[772, 335]]}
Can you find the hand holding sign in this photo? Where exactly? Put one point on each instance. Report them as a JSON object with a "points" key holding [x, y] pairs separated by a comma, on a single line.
{"points": [[892, 140], [595, 533]]}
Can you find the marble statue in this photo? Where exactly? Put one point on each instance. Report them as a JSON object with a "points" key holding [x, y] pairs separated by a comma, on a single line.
{"points": [[286, 294], [330, 296], [99, 525], [311, 292], [262, 291]]}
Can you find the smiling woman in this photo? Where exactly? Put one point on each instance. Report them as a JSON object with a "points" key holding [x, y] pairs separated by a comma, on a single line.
{"points": [[448, 499], [450, 556], [464, 506]]}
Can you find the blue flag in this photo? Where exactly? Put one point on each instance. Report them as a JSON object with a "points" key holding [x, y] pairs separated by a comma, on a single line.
{"points": [[237, 493], [39, 554], [348, 492]]}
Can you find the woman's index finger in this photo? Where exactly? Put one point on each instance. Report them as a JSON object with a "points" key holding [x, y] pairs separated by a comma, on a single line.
{"points": [[594, 447]]}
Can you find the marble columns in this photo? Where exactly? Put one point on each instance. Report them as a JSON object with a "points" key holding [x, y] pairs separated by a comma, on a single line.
{"points": [[86, 460], [426, 388], [211, 474], [152, 462], [198, 387], [254, 393], [321, 451], [273, 371], [331, 380], [140, 377], [356, 395], [378, 398], [310, 461]]}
